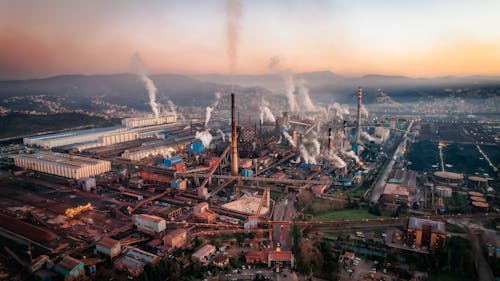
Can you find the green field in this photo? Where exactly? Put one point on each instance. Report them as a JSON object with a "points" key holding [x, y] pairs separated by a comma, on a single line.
{"points": [[347, 214]]}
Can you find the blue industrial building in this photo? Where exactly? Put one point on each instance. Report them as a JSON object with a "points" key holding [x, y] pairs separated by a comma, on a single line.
{"points": [[172, 161], [246, 173], [196, 147]]}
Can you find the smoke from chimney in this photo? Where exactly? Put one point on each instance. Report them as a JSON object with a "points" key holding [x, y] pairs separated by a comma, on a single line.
{"points": [[210, 108], [234, 12], [205, 137], [137, 66], [306, 101], [266, 115], [287, 76], [289, 139]]}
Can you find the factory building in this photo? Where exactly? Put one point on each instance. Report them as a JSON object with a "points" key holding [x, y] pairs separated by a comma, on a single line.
{"points": [[106, 140], [148, 121], [109, 247], [175, 239], [203, 254], [63, 165], [395, 193], [67, 138], [202, 213], [149, 224], [134, 260], [426, 233], [70, 268]]}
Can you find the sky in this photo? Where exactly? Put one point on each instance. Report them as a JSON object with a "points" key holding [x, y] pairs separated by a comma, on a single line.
{"points": [[420, 38]]}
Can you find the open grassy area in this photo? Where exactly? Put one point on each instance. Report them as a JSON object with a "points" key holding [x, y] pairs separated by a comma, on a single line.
{"points": [[449, 276], [454, 228], [347, 214]]}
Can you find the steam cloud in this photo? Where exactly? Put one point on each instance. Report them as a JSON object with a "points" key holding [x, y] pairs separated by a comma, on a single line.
{"points": [[310, 150], [367, 136], [210, 108], [289, 139], [352, 155], [234, 12], [384, 98], [222, 135], [364, 111], [287, 76], [205, 137], [337, 161], [168, 153], [266, 115], [304, 96], [171, 105], [339, 110], [138, 68]]}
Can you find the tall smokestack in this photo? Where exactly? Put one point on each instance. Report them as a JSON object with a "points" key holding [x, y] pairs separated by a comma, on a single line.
{"points": [[234, 144], [358, 125], [329, 147]]}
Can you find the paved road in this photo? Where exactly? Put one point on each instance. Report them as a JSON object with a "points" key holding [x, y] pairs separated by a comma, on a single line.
{"points": [[284, 210]]}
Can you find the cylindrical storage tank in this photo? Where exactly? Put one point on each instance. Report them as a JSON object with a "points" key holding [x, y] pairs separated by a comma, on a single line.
{"points": [[443, 191]]}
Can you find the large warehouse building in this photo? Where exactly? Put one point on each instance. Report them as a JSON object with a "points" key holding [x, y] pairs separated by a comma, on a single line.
{"points": [[132, 129], [63, 165], [66, 138], [148, 121]]}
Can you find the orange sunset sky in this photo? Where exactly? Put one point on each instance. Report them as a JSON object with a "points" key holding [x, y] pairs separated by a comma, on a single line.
{"points": [[415, 38]]}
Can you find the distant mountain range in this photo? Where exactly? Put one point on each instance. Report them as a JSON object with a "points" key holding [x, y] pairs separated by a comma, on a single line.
{"points": [[198, 89]]}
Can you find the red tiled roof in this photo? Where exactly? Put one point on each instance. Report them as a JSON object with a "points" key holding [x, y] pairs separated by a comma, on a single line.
{"points": [[280, 256]]}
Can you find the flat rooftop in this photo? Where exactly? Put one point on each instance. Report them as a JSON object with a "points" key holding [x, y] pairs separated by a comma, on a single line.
{"points": [[60, 158], [74, 133], [247, 204]]}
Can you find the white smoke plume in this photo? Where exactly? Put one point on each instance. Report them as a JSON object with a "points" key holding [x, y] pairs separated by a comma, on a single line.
{"points": [[289, 139], [306, 157], [205, 137], [266, 115], [384, 98], [139, 69], [352, 155], [222, 135], [317, 148], [339, 110], [210, 108], [208, 114], [337, 161], [234, 12], [171, 105], [168, 153], [367, 136], [287, 76], [310, 150], [305, 99], [364, 111]]}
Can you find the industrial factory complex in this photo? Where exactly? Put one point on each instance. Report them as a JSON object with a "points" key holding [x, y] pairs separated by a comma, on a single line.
{"points": [[234, 202]]}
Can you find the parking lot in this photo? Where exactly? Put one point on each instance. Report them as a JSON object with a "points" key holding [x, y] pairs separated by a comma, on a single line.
{"points": [[364, 270]]}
